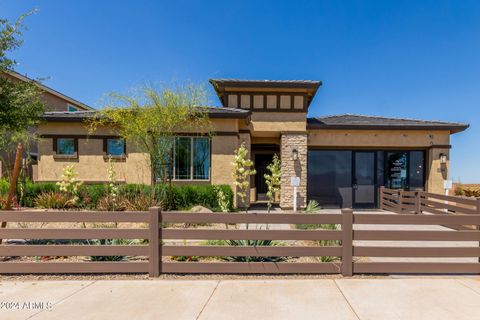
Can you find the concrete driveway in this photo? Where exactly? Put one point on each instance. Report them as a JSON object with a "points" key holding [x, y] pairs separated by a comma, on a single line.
{"points": [[369, 299]]}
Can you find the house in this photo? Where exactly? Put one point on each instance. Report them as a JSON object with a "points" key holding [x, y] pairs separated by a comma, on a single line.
{"points": [[54, 101], [340, 160]]}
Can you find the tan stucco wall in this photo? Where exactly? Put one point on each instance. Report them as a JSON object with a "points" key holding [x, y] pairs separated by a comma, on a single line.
{"points": [[377, 138], [90, 165], [275, 123], [437, 173]]}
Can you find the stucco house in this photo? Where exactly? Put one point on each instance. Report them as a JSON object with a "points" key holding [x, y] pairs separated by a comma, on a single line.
{"points": [[54, 101], [341, 160]]}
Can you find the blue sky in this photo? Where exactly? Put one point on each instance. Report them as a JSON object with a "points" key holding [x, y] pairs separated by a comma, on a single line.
{"points": [[415, 59]]}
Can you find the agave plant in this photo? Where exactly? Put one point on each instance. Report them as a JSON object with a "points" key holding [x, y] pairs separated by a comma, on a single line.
{"points": [[253, 243]]}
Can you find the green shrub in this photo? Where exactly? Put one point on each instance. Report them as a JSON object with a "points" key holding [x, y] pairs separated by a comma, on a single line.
{"points": [[183, 197], [32, 190], [94, 192], [4, 184]]}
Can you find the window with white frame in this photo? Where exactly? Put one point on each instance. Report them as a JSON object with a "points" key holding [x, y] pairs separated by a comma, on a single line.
{"points": [[191, 159]]}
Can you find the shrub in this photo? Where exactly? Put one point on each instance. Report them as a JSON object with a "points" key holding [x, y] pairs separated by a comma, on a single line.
{"points": [[136, 196], [52, 200], [4, 184], [3, 201], [185, 197], [139, 202], [95, 192], [33, 190], [106, 204]]}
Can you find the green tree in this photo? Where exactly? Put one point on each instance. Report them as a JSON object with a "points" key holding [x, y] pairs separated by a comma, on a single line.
{"points": [[241, 172], [21, 104], [150, 118], [273, 180]]}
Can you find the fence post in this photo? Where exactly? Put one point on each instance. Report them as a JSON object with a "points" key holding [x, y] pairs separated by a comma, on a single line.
{"points": [[418, 207], [154, 244], [382, 191], [400, 201], [347, 242]]}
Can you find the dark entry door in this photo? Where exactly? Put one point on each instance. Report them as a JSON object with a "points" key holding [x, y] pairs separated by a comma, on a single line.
{"points": [[364, 176], [261, 163]]}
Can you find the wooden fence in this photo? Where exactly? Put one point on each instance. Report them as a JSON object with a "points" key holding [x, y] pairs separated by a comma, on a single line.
{"points": [[80, 249], [400, 201], [352, 258]]}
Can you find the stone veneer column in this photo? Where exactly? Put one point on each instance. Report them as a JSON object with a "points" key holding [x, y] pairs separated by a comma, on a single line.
{"points": [[291, 168]]}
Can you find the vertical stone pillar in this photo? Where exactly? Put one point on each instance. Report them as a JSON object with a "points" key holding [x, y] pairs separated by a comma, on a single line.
{"points": [[293, 168]]}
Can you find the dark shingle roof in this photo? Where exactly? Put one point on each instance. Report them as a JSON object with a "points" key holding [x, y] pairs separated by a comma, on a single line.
{"points": [[355, 121], [267, 83], [77, 116]]}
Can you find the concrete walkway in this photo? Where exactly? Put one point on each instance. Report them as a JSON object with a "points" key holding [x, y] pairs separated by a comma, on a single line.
{"points": [[366, 299]]}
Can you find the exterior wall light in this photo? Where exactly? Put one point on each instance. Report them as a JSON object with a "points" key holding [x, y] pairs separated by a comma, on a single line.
{"points": [[294, 156], [443, 158]]}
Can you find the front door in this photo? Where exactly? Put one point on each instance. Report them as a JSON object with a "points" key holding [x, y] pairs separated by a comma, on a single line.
{"points": [[261, 163], [364, 190]]}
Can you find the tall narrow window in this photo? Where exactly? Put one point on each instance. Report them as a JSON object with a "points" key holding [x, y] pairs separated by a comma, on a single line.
{"points": [[182, 160], [201, 158]]}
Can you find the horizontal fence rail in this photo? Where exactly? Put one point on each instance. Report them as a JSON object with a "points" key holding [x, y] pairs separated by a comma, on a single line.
{"points": [[260, 233], [57, 236], [171, 234]]}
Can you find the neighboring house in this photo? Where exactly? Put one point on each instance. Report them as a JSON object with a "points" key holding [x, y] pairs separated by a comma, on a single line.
{"points": [[341, 160], [54, 101]]}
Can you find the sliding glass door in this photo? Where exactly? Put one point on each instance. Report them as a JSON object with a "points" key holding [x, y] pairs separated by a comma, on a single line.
{"points": [[351, 178], [364, 179]]}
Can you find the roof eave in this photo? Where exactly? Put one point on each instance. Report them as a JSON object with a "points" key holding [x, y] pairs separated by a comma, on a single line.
{"points": [[451, 128]]}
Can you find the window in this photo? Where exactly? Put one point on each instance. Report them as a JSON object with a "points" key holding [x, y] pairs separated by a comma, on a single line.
{"points": [[71, 108], [416, 167], [201, 159], [66, 146], [329, 178], [182, 158], [115, 147], [191, 159]]}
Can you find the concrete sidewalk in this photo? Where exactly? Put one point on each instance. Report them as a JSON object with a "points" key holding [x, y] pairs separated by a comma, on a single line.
{"points": [[366, 299]]}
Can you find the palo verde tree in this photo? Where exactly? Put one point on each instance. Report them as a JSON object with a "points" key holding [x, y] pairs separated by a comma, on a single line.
{"points": [[273, 180], [150, 118], [21, 106], [241, 172]]}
